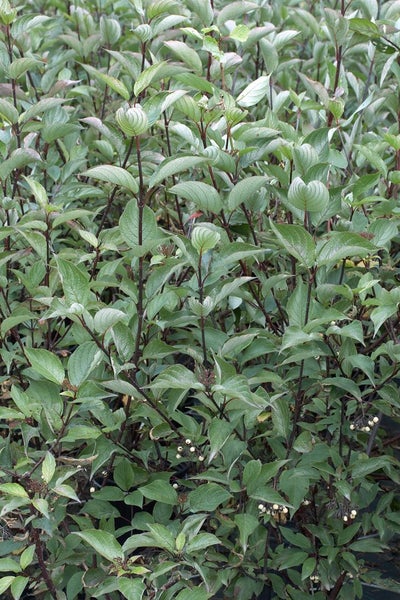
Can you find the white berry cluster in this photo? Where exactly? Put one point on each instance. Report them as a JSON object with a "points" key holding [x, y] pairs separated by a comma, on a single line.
{"points": [[349, 516], [275, 510], [188, 449], [364, 423]]}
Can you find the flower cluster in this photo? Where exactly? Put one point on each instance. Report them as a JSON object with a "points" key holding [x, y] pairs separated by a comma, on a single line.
{"points": [[364, 423], [188, 449]]}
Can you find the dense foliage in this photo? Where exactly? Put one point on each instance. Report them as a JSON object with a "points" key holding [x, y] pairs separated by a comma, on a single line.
{"points": [[199, 298]]}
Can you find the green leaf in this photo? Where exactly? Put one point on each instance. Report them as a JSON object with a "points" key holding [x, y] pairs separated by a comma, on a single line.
{"points": [[161, 491], [198, 593], [27, 556], [115, 175], [251, 474], [46, 364], [5, 583], [84, 359], [343, 245], [13, 489], [43, 106], [201, 541], [75, 282], [8, 564], [173, 166], [368, 545], [207, 497], [344, 384], [65, 490], [131, 589], [203, 195], [103, 542], [297, 241], [254, 92], [218, 433], [295, 484], [20, 158], [364, 27], [269, 495], [48, 467], [162, 536], [365, 466], [42, 506], [105, 318], [20, 66], [246, 524], [308, 568], [353, 331], [380, 314], [240, 33], [146, 77], [38, 191], [281, 417], [186, 54], [245, 190], [15, 319], [177, 377], [8, 111], [113, 83], [129, 225]]}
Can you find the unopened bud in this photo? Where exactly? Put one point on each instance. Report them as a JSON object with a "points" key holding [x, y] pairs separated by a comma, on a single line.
{"points": [[133, 121]]}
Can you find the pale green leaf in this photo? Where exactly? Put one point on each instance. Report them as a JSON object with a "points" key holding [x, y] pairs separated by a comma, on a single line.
{"points": [[176, 165], [115, 175], [46, 363], [13, 489], [297, 241], [103, 542], [203, 195], [112, 82], [245, 190], [48, 467], [254, 92], [82, 361]]}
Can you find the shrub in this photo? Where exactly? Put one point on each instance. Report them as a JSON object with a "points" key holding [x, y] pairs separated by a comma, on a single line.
{"points": [[199, 298]]}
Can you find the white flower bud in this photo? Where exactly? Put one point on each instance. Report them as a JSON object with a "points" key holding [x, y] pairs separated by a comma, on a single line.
{"points": [[192, 449], [201, 458], [345, 518], [188, 442], [261, 507], [92, 490], [275, 506], [376, 419], [180, 448], [175, 486], [178, 456]]}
